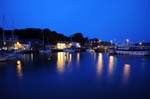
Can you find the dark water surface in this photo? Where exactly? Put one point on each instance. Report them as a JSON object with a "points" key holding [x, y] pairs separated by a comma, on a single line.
{"points": [[75, 76]]}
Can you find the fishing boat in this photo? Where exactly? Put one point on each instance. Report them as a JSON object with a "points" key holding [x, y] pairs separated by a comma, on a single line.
{"points": [[131, 50]]}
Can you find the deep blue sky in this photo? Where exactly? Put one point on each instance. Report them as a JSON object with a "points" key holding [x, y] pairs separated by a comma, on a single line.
{"points": [[106, 19]]}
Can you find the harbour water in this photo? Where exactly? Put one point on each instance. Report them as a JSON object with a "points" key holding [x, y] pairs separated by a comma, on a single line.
{"points": [[75, 76]]}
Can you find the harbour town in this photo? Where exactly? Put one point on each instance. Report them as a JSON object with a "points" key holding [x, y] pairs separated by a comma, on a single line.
{"points": [[46, 41], [74, 49], [78, 66]]}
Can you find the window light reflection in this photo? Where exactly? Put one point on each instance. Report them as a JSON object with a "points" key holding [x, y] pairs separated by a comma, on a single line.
{"points": [[19, 69], [99, 64], [111, 65], [126, 72]]}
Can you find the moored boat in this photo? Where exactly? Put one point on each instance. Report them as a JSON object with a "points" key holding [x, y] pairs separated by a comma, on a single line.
{"points": [[71, 50], [90, 50], [45, 51], [132, 50]]}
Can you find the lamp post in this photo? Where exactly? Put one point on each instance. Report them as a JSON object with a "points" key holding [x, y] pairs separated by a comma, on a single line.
{"points": [[140, 43], [111, 42], [128, 42]]}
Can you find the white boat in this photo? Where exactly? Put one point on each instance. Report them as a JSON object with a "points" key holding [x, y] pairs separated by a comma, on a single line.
{"points": [[71, 50], [45, 51], [133, 50], [90, 50]]}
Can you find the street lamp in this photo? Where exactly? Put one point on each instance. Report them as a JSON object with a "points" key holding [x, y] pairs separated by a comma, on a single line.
{"points": [[128, 41], [111, 42], [140, 43]]}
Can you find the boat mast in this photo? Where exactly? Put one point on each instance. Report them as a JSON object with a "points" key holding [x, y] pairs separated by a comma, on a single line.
{"points": [[43, 38], [13, 30], [3, 18]]}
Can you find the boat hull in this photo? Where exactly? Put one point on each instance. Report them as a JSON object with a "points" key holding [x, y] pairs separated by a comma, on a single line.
{"points": [[70, 50], [139, 53]]}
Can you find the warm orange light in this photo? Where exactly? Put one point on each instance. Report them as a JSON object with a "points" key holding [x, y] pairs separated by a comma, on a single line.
{"points": [[60, 62], [19, 69], [126, 72], [100, 64], [111, 65], [17, 45], [70, 58], [78, 57], [61, 45], [18, 62]]}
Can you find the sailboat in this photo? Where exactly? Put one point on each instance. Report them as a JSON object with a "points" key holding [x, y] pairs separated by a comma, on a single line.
{"points": [[7, 54], [3, 56], [44, 50]]}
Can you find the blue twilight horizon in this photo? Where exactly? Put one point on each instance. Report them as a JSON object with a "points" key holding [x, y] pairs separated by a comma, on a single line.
{"points": [[108, 20]]}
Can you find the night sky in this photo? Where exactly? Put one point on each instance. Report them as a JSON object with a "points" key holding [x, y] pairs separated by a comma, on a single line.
{"points": [[105, 19]]}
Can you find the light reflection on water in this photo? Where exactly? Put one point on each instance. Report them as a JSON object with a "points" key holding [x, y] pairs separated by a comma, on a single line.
{"points": [[60, 62], [19, 69], [67, 57], [63, 59], [126, 72], [78, 58], [111, 65], [32, 56], [115, 72], [100, 64]]}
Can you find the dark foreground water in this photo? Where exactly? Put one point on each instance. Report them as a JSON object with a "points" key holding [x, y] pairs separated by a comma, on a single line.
{"points": [[75, 76]]}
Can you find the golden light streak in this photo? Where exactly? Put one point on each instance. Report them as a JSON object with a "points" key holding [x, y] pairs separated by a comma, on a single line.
{"points": [[78, 58], [111, 65], [100, 64], [19, 69], [60, 62], [126, 72]]}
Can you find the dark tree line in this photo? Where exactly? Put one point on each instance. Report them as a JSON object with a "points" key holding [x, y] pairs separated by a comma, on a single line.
{"points": [[50, 37]]}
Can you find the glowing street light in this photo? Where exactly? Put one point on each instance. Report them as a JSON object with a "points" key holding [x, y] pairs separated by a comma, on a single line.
{"points": [[111, 42], [140, 43], [128, 41]]}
